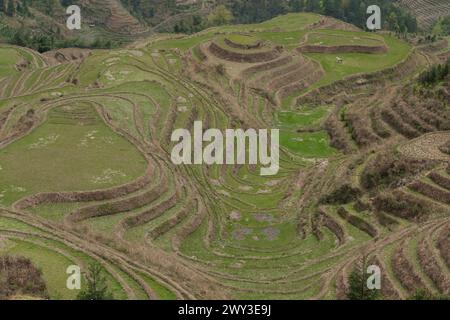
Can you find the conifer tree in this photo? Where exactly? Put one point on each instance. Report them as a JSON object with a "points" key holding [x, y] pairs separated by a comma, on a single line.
{"points": [[358, 289], [96, 287], [11, 9]]}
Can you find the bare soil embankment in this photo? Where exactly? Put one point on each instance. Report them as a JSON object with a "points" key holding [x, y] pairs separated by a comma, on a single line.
{"points": [[251, 57]]}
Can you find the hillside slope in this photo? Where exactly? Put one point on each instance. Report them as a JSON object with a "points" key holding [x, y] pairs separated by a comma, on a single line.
{"points": [[364, 165], [113, 16], [427, 11]]}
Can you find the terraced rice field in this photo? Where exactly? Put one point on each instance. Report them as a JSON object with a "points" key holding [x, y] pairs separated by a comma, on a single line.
{"points": [[427, 11], [86, 175]]}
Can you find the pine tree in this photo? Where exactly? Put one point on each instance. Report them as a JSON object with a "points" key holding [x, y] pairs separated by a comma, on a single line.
{"points": [[11, 9], [328, 7], [19, 8], [2, 5], [49, 5], [96, 286], [357, 281], [25, 8]]}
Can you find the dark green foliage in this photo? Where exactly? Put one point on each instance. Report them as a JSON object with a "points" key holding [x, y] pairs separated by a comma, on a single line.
{"points": [[357, 282], [250, 11], [344, 194], [66, 3], [39, 43], [50, 37], [390, 170], [352, 11], [435, 74], [429, 38], [445, 25], [95, 287], [401, 205], [361, 206], [22, 8], [144, 9], [190, 25], [43, 43], [10, 8], [422, 294]]}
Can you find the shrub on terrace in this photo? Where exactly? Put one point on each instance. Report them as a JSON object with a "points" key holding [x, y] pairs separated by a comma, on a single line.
{"points": [[390, 170], [422, 294], [435, 74], [343, 194], [18, 276]]}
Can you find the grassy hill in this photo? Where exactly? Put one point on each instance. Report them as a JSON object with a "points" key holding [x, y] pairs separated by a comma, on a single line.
{"points": [[86, 175]]}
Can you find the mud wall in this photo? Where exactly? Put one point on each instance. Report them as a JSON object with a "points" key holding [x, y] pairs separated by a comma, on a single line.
{"points": [[243, 57], [266, 66]]}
